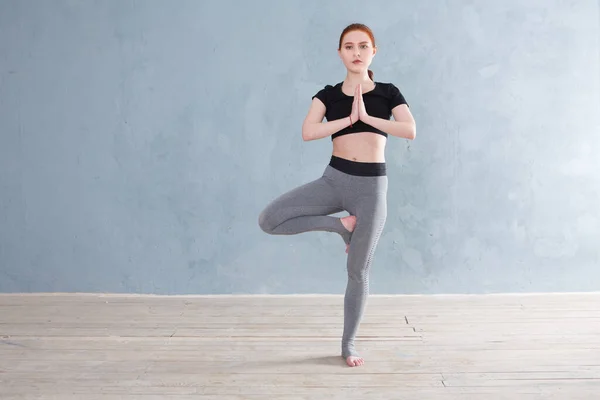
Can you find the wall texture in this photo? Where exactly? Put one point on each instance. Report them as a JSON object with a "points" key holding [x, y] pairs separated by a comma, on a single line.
{"points": [[139, 140]]}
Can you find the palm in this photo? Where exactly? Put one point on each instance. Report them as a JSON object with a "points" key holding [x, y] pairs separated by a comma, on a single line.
{"points": [[359, 112], [355, 114], [362, 111]]}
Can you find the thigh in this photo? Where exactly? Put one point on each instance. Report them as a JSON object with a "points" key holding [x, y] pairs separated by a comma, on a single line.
{"points": [[366, 198], [318, 197], [371, 215]]}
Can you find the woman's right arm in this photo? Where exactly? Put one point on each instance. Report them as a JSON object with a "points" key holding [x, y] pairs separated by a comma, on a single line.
{"points": [[314, 128]]}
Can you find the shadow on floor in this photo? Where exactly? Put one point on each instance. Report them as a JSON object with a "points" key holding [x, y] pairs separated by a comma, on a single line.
{"points": [[245, 366]]}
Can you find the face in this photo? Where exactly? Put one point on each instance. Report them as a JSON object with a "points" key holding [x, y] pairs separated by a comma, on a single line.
{"points": [[357, 51]]}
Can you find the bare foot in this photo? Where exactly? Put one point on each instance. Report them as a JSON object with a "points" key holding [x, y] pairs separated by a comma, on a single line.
{"points": [[354, 361], [349, 223]]}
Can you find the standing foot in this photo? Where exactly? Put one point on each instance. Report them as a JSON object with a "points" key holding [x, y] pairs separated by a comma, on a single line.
{"points": [[354, 361]]}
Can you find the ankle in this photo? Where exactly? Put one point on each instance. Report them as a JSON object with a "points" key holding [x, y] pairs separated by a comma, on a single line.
{"points": [[348, 350]]}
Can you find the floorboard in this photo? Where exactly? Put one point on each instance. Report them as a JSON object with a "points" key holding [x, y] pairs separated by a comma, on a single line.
{"points": [[103, 346]]}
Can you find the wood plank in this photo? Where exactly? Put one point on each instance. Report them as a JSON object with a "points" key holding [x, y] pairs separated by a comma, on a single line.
{"points": [[106, 346], [115, 391]]}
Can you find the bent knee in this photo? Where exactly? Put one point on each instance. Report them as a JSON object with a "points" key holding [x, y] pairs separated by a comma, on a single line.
{"points": [[264, 222]]}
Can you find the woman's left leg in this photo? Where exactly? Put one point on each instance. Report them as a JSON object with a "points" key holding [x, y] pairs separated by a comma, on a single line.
{"points": [[370, 208]]}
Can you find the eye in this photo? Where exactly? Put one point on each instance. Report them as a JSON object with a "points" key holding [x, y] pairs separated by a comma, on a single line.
{"points": [[348, 47]]}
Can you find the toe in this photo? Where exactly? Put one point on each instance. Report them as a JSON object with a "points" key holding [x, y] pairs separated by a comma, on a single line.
{"points": [[354, 361]]}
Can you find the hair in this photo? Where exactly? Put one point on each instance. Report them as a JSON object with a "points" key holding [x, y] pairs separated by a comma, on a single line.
{"points": [[358, 27]]}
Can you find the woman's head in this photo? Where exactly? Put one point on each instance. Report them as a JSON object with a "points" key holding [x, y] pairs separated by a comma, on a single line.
{"points": [[357, 48]]}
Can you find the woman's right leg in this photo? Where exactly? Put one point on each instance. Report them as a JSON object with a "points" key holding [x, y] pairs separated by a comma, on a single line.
{"points": [[305, 209]]}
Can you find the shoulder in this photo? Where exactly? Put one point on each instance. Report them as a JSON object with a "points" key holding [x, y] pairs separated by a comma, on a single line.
{"points": [[387, 88], [325, 93], [326, 89], [392, 93]]}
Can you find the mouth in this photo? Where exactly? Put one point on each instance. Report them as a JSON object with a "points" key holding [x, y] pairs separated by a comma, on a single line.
{"points": [[356, 62]]}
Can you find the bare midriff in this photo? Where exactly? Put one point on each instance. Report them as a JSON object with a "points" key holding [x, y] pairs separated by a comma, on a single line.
{"points": [[360, 147]]}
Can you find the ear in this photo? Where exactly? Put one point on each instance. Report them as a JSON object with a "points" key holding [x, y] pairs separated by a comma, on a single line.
{"points": [[374, 50]]}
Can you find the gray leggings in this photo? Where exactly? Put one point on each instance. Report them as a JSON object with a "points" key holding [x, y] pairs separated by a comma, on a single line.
{"points": [[361, 190]]}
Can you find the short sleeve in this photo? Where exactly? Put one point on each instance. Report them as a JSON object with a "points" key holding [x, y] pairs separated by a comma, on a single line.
{"points": [[396, 97], [322, 94]]}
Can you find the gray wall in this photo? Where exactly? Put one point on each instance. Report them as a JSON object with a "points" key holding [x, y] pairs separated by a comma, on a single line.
{"points": [[139, 140]]}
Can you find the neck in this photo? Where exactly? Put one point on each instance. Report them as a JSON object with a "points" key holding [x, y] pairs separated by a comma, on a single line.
{"points": [[354, 78]]}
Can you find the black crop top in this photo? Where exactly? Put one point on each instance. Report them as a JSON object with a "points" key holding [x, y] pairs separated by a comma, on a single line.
{"points": [[379, 102]]}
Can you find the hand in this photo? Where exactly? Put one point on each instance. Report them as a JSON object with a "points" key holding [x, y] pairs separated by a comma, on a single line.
{"points": [[354, 115], [362, 111]]}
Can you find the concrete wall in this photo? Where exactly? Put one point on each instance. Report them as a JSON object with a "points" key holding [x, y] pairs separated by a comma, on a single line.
{"points": [[139, 140]]}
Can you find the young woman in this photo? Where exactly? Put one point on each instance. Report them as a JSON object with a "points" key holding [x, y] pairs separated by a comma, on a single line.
{"points": [[358, 112]]}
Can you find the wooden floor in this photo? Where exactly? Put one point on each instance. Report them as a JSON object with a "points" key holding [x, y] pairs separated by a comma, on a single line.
{"points": [[287, 347]]}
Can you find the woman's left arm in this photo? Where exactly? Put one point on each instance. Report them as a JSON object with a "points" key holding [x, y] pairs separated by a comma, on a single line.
{"points": [[402, 126]]}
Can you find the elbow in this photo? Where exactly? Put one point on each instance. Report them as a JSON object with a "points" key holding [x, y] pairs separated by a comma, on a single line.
{"points": [[412, 132], [306, 134]]}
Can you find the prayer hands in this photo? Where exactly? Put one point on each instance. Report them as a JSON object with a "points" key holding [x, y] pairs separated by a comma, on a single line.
{"points": [[359, 112]]}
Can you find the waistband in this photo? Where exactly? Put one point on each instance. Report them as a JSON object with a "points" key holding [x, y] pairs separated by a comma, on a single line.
{"points": [[358, 168]]}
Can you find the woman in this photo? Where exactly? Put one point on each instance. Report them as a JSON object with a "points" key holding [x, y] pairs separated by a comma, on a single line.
{"points": [[358, 112]]}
